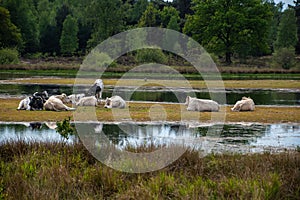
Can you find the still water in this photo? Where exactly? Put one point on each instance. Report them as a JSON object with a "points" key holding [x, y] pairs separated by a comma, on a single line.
{"points": [[260, 96], [240, 138]]}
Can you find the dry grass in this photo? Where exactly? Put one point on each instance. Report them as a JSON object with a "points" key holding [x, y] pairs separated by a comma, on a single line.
{"points": [[274, 84], [59, 171], [154, 112]]}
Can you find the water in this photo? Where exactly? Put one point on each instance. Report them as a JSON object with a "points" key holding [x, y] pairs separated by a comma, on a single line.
{"points": [[242, 138], [260, 96]]}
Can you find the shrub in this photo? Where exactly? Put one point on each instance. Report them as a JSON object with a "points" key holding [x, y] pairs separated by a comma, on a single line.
{"points": [[9, 56], [151, 56], [285, 58]]}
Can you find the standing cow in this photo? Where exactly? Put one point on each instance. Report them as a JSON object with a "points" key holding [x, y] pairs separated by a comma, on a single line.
{"points": [[97, 89], [194, 104]]}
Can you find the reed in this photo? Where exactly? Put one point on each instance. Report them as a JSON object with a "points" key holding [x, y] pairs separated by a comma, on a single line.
{"points": [[58, 171]]}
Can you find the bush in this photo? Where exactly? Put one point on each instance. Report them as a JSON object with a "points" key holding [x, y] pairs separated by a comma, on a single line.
{"points": [[151, 56], [285, 58], [9, 56]]}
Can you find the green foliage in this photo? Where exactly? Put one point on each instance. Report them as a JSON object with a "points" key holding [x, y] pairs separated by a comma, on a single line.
{"points": [[97, 61], [10, 35], [230, 26], [169, 17], [285, 58], [9, 56], [149, 17], [24, 16], [69, 40], [287, 30], [106, 18], [65, 129], [151, 55]]}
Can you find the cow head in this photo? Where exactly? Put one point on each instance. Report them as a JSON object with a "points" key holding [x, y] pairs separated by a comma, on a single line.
{"points": [[36, 103], [187, 100], [108, 103], [44, 95]]}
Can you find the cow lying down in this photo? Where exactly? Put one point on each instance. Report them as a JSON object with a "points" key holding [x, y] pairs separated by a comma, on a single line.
{"points": [[55, 104], [115, 102], [87, 101], [194, 104], [246, 104], [73, 98]]}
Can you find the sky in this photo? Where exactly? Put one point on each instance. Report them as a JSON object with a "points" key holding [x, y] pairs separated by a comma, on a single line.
{"points": [[286, 2]]}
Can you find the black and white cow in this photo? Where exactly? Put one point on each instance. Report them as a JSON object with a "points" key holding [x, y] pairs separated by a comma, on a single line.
{"points": [[36, 103], [97, 89]]}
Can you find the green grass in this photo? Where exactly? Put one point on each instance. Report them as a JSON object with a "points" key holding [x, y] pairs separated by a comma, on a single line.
{"points": [[115, 74], [59, 171]]}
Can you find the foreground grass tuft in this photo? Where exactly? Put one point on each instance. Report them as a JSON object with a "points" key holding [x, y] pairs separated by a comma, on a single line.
{"points": [[59, 171]]}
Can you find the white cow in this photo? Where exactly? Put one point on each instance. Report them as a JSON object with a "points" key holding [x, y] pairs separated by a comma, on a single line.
{"points": [[24, 104], [63, 97], [246, 104], [115, 102], [56, 104], [87, 101], [194, 104], [74, 98]]}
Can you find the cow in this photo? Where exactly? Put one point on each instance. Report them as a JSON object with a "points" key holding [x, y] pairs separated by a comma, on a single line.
{"points": [[97, 89], [36, 103], [55, 104], [246, 104], [115, 102], [44, 95], [24, 104], [87, 101], [74, 98], [201, 105], [63, 97]]}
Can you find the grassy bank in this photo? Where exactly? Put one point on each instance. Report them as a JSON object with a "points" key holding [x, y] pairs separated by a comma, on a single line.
{"points": [[151, 111], [59, 171], [115, 73], [259, 84]]}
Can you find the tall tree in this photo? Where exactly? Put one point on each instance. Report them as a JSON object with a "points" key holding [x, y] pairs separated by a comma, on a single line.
{"points": [[69, 39], [297, 13], [149, 17], [10, 35], [24, 16], [287, 30], [184, 7], [106, 19], [137, 10], [167, 13], [230, 26]]}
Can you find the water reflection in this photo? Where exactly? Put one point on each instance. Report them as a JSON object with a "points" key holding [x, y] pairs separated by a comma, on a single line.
{"points": [[233, 137]]}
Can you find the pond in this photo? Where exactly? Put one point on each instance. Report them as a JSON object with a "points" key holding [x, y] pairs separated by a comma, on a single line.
{"points": [[158, 94], [241, 138]]}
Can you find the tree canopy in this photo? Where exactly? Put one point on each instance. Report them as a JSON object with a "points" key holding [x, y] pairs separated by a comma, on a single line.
{"points": [[230, 26], [227, 28]]}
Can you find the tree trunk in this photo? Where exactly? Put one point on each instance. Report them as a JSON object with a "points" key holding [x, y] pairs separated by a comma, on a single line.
{"points": [[228, 58]]}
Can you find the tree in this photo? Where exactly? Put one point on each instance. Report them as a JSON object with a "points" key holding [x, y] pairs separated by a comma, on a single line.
{"points": [[287, 30], [137, 11], [69, 40], [149, 17], [230, 26], [24, 16], [10, 35], [173, 24], [167, 13], [106, 18], [297, 11]]}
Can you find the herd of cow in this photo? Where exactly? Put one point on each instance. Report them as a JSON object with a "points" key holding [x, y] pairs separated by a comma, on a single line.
{"points": [[40, 101]]}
